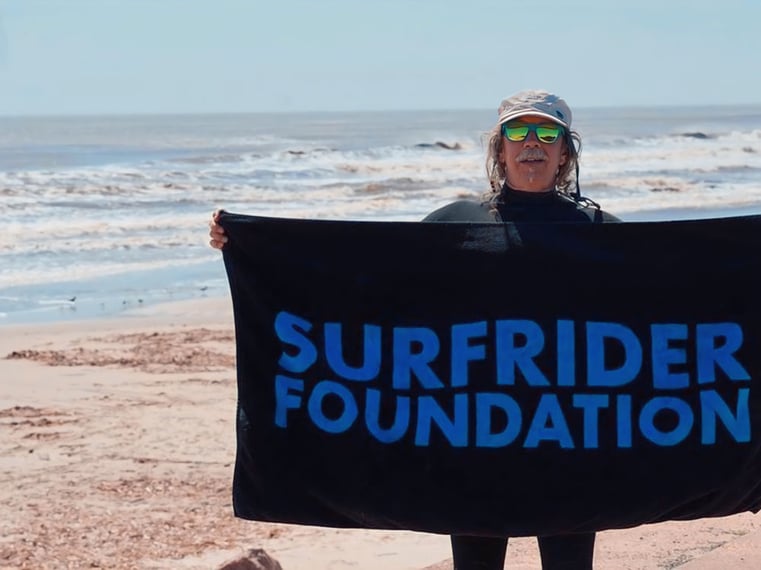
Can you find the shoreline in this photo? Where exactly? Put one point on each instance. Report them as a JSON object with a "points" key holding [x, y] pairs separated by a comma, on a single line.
{"points": [[112, 295], [122, 294]]}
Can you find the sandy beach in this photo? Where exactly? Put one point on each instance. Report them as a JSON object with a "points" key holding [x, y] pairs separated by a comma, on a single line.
{"points": [[117, 446]]}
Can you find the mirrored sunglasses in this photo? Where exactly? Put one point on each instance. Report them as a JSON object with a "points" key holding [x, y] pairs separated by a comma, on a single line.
{"points": [[546, 133]]}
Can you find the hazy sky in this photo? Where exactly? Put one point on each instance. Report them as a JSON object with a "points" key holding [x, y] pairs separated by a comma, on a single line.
{"points": [[123, 56]]}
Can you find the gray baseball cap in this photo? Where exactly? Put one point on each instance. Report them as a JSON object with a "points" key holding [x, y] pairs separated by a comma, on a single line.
{"points": [[538, 103]]}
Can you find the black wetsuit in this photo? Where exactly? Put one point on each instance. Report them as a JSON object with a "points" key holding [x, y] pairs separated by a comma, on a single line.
{"points": [[561, 552], [517, 206]]}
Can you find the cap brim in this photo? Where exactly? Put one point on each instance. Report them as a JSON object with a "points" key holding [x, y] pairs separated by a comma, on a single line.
{"points": [[526, 112]]}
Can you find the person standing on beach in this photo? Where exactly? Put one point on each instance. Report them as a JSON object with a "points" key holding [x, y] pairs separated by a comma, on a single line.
{"points": [[532, 165]]}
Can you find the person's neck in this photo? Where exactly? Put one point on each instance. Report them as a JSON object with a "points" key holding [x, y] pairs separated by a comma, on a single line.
{"points": [[508, 188]]}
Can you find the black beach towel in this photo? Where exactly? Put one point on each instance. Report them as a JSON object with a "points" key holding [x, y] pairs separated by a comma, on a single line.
{"points": [[496, 379]]}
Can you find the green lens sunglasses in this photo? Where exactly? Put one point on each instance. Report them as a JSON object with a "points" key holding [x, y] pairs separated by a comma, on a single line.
{"points": [[546, 133]]}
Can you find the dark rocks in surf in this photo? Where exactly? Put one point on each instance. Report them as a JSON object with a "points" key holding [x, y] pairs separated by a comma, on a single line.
{"points": [[439, 144], [697, 135], [304, 152]]}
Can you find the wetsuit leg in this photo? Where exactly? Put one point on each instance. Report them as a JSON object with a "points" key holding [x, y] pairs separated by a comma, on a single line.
{"points": [[478, 552], [567, 551]]}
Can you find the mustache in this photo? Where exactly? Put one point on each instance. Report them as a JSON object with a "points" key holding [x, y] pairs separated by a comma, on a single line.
{"points": [[532, 154]]}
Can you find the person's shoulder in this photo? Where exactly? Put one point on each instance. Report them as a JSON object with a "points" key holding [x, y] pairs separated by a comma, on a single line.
{"points": [[590, 209], [607, 217], [598, 215], [462, 211]]}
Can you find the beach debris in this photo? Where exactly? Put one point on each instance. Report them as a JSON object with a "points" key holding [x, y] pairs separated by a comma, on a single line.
{"points": [[187, 350], [256, 559], [443, 565]]}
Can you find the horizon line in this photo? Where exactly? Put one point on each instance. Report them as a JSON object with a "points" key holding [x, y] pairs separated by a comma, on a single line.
{"points": [[136, 113]]}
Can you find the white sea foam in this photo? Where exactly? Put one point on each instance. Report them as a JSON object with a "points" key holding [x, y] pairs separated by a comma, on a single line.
{"points": [[83, 204]]}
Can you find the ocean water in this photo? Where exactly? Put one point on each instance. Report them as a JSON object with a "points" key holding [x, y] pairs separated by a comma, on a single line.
{"points": [[103, 214]]}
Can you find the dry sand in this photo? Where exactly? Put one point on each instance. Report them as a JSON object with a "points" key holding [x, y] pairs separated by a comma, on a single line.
{"points": [[116, 451]]}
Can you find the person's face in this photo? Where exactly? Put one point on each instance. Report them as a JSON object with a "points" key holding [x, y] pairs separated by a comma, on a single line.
{"points": [[532, 165]]}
